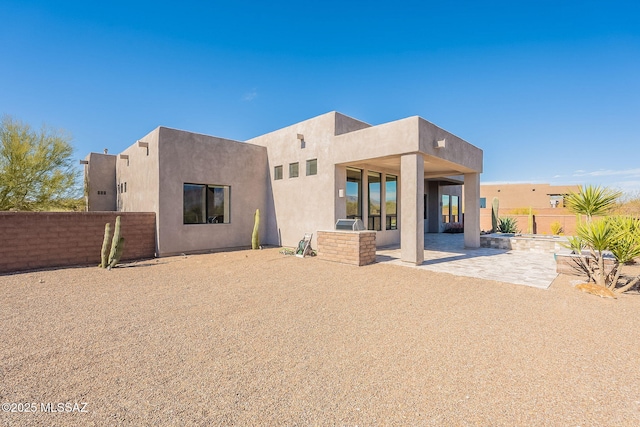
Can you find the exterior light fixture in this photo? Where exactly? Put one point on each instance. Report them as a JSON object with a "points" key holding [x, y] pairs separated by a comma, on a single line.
{"points": [[341, 192], [440, 143]]}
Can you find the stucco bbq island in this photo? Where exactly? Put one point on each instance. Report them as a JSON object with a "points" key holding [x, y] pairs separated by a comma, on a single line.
{"points": [[401, 179]]}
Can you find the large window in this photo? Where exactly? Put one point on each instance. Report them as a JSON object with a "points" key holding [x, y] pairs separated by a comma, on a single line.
{"points": [[374, 201], [445, 208], [455, 209], [391, 202], [206, 204], [354, 201], [312, 167]]}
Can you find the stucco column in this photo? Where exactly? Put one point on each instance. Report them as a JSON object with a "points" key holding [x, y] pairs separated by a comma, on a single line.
{"points": [[472, 210], [412, 212]]}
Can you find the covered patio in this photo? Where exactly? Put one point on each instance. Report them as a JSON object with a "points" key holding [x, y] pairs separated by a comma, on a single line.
{"points": [[420, 158]]}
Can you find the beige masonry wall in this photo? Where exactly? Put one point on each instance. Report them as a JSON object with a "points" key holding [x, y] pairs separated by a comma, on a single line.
{"points": [[31, 240], [347, 247]]}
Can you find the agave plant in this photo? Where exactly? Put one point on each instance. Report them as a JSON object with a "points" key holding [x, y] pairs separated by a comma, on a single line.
{"points": [[507, 225]]}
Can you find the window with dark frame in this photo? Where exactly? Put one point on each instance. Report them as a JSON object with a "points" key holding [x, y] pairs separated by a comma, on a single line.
{"points": [[374, 212], [277, 172], [206, 204], [293, 170], [312, 167], [391, 202], [354, 190]]}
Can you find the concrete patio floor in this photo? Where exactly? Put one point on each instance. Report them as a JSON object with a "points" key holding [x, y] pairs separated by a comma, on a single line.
{"points": [[445, 253]]}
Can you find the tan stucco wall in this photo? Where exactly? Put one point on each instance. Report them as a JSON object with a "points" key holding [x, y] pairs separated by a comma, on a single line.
{"points": [[100, 175], [512, 196], [187, 157], [306, 203], [141, 174], [459, 154]]}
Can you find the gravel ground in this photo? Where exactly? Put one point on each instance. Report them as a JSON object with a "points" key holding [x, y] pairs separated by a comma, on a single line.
{"points": [[258, 338]]}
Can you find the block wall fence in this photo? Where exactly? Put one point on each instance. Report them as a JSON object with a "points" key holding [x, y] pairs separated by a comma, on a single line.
{"points": [[32, 240], [542, 220]]}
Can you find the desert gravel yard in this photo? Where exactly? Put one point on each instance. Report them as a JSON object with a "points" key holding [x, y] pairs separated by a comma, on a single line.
{"points": [[255, 338]]}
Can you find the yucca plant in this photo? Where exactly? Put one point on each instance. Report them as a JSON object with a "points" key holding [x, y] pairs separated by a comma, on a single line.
{"points": [[507, 225], [618, 236], [592, 201]]}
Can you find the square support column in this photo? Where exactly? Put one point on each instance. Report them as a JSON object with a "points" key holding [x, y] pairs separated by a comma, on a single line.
{"points": [[412, 211], [471, 210]]}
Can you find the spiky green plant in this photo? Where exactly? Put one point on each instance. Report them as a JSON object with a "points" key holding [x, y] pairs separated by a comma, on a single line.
{"points": [[507, 225], [592, 201], [619, 235], [495, 205], [255, 236]]}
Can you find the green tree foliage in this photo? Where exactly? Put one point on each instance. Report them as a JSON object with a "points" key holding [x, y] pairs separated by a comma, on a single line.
{"points": [[36, 170]]}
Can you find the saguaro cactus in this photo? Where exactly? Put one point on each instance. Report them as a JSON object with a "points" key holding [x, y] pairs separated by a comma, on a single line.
{"points": [[104, 258], [117, 245], [495, 204], [255, 236]]}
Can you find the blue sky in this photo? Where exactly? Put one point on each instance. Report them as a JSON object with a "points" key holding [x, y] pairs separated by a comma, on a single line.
{"points": [[549, 90]]}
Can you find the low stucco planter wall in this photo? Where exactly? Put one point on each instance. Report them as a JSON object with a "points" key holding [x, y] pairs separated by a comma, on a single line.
{"points": [[531, 243], [348, 247]]}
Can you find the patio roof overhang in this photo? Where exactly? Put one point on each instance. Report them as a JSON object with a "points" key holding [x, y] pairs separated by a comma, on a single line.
{"points": [[383, 146]]}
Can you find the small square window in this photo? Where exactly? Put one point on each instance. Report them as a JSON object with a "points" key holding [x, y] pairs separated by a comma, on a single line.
{"points": [[312, 167], [277, 172], [483, 202], [293, 170]]}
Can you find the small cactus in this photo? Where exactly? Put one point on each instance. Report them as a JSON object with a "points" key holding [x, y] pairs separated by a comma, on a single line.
{"points": [[255, 236], [495, 204]]}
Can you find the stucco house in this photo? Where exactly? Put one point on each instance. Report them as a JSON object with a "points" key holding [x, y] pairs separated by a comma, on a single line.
{"points": [[402, 178]]}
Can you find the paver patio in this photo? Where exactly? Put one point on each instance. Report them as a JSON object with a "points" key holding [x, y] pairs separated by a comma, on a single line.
{"points": [[446, 253]]}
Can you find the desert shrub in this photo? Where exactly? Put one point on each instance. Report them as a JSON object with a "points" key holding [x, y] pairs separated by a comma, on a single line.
{"points": [[507, 225], [556, 228]]}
